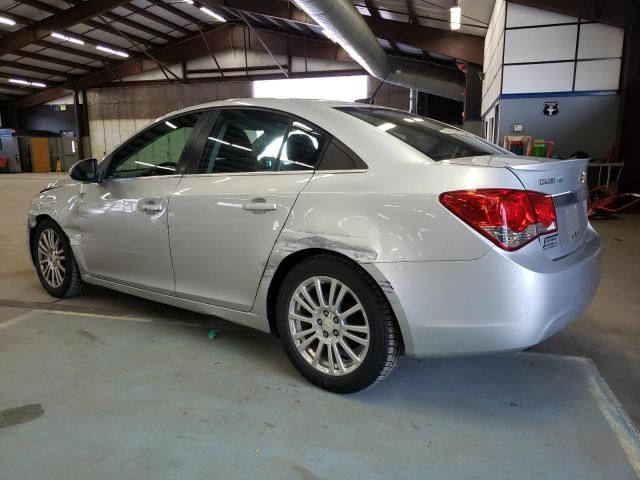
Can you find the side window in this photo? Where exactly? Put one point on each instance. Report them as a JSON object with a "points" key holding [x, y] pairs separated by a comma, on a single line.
{"points": [[155, 151], [258, 141], [339, 157], [302, 148]]}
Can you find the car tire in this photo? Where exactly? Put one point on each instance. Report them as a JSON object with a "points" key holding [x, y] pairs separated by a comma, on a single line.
{"points": [[56, 266], [341, 352]]}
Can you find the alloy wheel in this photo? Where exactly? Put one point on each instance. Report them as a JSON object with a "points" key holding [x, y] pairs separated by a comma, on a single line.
{"points": [[328, 325], [51, 258]]}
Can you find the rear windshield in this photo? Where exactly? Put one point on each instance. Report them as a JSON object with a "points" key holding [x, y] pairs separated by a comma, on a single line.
{"points": [[436, 140]]}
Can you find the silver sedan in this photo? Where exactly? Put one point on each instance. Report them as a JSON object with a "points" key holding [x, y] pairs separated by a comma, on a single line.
{"points": [[353, 232]]}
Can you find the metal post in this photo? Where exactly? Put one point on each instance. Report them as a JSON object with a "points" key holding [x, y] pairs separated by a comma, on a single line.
{"points": [[79, 122]]}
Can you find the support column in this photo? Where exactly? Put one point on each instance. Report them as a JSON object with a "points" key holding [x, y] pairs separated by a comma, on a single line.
{"points": [[473, 99], [629, 151]]}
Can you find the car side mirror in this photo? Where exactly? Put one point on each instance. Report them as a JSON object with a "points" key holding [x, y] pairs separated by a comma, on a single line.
{"points": [[85, 171]]}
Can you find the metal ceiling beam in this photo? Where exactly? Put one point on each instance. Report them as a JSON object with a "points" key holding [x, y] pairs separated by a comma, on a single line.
{"points": [[621, 13], [240, 78], [90, 23], [436, 40], [125, 21], [74, 51], [218, 38], [160, 20], [179, 13], [53, 60], [32, 68], [60, 21]]}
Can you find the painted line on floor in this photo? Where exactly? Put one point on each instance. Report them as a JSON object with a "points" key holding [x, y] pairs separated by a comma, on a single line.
{"points": [[622, 426], [18, 319], [610, 407]]}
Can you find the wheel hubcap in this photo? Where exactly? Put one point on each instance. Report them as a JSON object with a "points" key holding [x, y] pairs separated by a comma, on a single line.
{"points": [[328, 325], [51, 258]]}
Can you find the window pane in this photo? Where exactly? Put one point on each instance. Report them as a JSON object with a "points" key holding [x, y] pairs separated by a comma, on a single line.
{"points": [[436, 140], [244, 141], [301, 149], [156, 151], [335, 158]]}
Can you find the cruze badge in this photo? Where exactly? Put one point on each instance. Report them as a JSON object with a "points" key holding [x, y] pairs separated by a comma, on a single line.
{"points": [[549, 181]]}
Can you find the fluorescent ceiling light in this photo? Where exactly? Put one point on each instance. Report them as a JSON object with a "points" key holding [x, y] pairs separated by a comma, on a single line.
{"points": [[386, 126], [220, 18], [169, 124], [7, 21], [67, 38], [456, 16], [19, 81], [120, 53]]}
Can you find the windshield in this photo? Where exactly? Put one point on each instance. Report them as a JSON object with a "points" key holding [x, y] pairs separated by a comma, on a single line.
{"points": [[436, 140]]}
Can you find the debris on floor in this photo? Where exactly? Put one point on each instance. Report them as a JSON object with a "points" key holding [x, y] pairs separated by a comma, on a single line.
{"points": [[17, 415]]}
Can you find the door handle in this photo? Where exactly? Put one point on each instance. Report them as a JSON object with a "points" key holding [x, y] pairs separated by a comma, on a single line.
{"points": [[259, 206], [151, 208]]}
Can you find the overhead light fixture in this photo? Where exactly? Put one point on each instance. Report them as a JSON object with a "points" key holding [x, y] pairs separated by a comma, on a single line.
{"points": [[67, 38], [456, 16], [213, 14], [26, 83], [112, 51], [7, 21], [330, 35], [169, 124]]}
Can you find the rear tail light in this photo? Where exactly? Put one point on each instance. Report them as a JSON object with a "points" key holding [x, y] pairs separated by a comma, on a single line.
{"points": [[509, 218]]}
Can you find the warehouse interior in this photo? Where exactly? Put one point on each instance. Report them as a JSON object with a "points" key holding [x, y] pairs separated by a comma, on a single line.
{"points": [[109, 385]]}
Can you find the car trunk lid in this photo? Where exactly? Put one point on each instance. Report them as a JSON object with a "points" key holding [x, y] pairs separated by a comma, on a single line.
{"points": [[565, 180]]}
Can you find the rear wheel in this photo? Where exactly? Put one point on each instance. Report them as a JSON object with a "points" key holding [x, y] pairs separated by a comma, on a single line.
{"points": [[336, 325], [56, 266]]}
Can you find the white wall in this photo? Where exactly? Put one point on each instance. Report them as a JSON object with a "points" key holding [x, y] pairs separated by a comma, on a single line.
{"points": [[493, 49], [547, 52], [116, 113]]}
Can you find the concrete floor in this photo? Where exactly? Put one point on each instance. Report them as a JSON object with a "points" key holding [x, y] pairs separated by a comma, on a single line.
{"points": [[102, 398], [457, 392]]}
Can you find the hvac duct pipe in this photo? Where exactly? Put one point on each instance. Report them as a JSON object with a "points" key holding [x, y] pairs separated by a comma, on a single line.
{"points": [[341, 19]]}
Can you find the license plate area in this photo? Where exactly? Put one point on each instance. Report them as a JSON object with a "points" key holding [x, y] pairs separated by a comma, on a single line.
{"points": [[571, 214]]}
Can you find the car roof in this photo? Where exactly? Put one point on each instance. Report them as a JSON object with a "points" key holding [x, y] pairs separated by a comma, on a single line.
{"points": [[317, 108]]}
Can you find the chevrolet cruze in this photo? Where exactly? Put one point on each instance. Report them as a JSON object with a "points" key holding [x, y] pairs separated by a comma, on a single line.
{"points": [[355, 233]]}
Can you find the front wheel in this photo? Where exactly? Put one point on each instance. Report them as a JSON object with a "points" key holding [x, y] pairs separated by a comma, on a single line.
{"points": [[56, 266], [335, 324]]}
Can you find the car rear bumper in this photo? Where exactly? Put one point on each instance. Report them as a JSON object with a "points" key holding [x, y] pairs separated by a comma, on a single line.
{"points": [[491, 304]]}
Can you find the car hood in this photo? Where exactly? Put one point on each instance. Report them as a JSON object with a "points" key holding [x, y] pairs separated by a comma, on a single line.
{"points": [[59, 182]]}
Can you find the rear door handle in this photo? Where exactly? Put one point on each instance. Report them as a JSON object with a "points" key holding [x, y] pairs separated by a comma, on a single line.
{"points": [[150, 206], [258, 206]]}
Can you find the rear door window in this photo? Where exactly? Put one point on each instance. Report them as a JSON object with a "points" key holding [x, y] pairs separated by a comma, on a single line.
{"points": [[243, 141]]}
